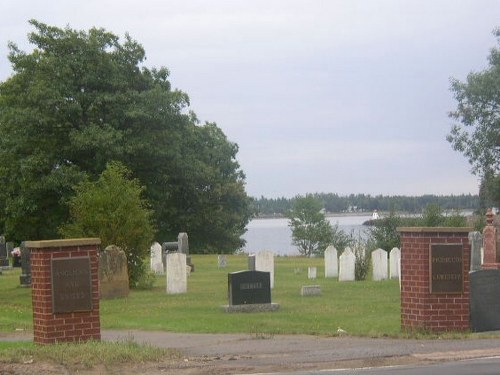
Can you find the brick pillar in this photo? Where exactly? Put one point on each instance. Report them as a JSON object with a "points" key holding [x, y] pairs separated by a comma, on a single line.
{"points": [[423, 251], [65, 290], [490, 244]]}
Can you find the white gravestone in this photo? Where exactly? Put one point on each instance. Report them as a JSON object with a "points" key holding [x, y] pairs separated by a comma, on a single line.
{"points": [[394, 262], [156, 259], [379, 264], [347, 263], [264, 261], [311, 272], [331, 262], [176, 273]]}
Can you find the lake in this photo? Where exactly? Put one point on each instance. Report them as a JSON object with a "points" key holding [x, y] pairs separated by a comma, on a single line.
{"points": [[276, 236]]}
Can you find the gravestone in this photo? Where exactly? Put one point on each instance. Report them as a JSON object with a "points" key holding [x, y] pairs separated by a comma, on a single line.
{"points": [[311, 272], [251, 262], [182, 240], [176, 273], [394, 262], [310, 290], [379, 265], [113, 273], [264, 261], [331, 262], [476, 242], [347, 263], [157, 265], [25, 278], [485, 300], [249, 287], [221, 261], [4, 257]]}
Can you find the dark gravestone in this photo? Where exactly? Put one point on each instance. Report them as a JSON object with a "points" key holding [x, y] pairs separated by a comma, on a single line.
{"points": [[249, 287], [485, 300], [4, 258], [25, 278]]}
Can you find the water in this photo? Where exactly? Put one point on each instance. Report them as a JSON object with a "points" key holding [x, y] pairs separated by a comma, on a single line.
{"points": [[276, 236]]}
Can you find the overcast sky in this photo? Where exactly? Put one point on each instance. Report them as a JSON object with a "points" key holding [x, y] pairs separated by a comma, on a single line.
{"points": [[321, 96]]}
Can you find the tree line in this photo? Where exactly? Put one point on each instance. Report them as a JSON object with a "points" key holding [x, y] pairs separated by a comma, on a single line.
{"points": [[334, 203]]}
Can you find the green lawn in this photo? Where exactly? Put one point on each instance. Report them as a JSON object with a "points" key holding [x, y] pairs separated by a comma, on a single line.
{"points": [[360, 308]]}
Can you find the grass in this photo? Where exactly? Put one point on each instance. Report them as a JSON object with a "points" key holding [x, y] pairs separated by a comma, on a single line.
{"points": [[86, 355], [365, 308]]}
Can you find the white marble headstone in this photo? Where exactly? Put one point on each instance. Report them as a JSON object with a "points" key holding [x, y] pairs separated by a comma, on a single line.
{"points": [[379, 264], [156, 259], [176, 273], [311, 272], [331, 262], [394, 262], [264, 261], [347, 263]]}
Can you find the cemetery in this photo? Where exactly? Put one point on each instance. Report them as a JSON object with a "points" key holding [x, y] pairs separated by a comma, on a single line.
{"points": [[402, 293]]}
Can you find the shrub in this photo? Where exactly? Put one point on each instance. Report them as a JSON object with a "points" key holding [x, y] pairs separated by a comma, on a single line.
{"points": [[112, 209]]}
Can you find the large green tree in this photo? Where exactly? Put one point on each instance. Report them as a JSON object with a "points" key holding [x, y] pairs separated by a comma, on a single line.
{"points": [[476, 132], [311, 231], [81, 99]]}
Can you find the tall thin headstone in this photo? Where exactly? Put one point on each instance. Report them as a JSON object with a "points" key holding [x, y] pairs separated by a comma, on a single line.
{"points": [[113, 273], [25, 278], [476, 242], [379, 265], [331, 262], [176, 273], [182, 240], [157, 259], [394, 262], [4, 258], [347, 263], [312, 272], [264, 261]]}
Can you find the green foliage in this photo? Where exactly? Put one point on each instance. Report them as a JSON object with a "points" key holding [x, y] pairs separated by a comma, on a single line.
{"points": [[362, 256], [383, 234], [334, 203], [340, 239], [81, 99], [476, 133], [112, 209], [311, 231]]}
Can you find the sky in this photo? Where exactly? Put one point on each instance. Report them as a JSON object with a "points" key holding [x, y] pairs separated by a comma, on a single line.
{"points": [[339, 96]]}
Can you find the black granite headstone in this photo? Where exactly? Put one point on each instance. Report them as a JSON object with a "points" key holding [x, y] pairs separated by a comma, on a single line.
{"points": [[485, 300], [4, 257], [249, 287]]}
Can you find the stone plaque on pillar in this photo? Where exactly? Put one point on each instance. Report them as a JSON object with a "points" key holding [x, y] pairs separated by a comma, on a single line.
{"points": [[71, 285], [446, 268]]}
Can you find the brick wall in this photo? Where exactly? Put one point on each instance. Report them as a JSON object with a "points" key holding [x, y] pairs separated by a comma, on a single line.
{"points": [[420, 309], [49, 327]]}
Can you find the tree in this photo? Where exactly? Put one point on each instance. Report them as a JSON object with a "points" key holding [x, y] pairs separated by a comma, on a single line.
{"points": [[112, 209], [81, 99], [477, 133], [311, 231]]}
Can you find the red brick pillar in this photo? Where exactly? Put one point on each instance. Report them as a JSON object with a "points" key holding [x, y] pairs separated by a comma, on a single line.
{"points": [[435, 279], [490, 244], [65, 290]]}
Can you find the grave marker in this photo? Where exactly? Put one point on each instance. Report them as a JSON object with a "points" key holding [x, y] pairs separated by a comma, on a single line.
{"points": [[113, 273], [176, 273], [394, 262], [379, 265], [331, 262], [264, 261], [347, 262], [157, 265]]}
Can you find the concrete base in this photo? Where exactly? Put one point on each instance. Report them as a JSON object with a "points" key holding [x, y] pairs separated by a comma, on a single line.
{"points": [[250, 308]]}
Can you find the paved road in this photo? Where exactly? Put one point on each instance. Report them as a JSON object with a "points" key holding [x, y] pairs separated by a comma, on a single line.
{"points": [[482, 366], [300, 354]]}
